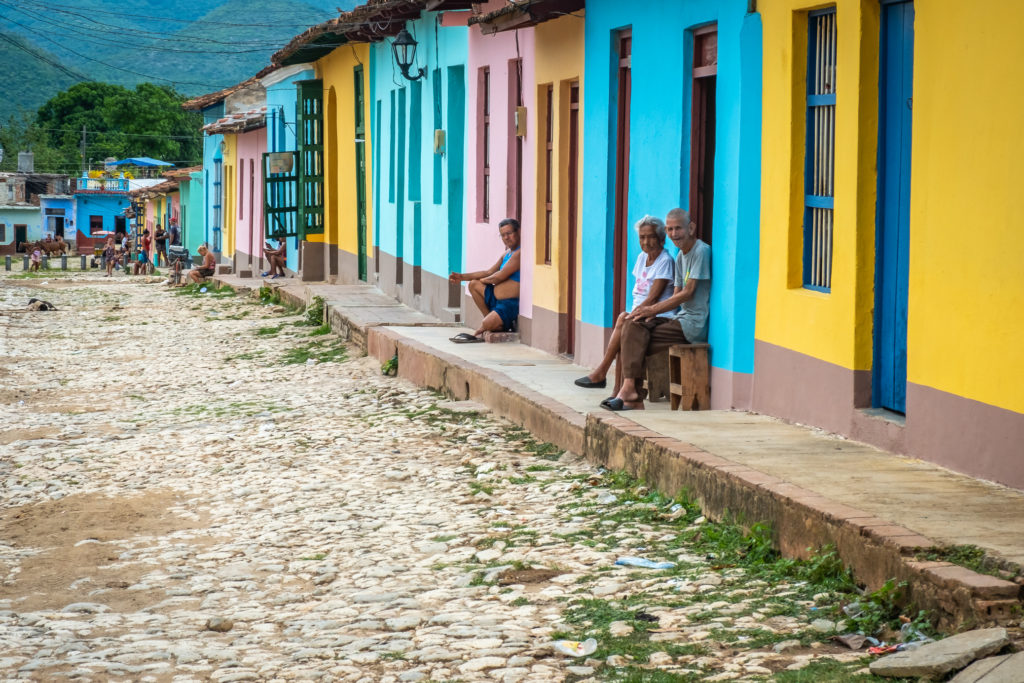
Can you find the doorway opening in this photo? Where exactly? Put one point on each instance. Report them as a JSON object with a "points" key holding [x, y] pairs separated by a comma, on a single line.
{"points": [[624, 87], [702, 133]]}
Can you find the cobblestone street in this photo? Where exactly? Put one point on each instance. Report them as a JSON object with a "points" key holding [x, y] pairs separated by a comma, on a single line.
{"points": [[195, 487]]}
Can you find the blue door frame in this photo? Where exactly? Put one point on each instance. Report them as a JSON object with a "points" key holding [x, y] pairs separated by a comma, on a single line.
{"points": [[892, 236]]}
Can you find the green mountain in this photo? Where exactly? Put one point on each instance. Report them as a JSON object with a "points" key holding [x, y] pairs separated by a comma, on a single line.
{"points": [[194, 46], [34, 74]]}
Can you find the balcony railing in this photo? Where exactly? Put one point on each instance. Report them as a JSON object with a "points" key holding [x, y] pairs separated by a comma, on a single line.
{"points": [[101, 184]]}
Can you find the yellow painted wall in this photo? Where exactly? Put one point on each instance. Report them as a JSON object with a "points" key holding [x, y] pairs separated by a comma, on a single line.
{"points": [[966, 289], [229, 210], [558, 60], [837, 326], [337, 72]]}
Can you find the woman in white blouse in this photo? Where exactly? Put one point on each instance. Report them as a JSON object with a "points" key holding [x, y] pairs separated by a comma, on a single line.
{"points": [[653, 273]]}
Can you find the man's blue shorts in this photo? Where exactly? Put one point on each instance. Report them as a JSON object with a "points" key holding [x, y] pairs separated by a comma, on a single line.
{"points": [[508, 309]]}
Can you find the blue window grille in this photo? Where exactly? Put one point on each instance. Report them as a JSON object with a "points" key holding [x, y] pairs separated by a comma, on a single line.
{"points": [[820, 155], [218, 198]]}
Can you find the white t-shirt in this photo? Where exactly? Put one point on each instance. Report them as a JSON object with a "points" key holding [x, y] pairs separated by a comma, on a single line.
{"points": [[663, 268]]}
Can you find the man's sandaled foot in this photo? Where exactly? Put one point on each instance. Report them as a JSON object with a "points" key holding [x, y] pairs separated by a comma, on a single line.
{"points": [[465, 338], [616, 404]]}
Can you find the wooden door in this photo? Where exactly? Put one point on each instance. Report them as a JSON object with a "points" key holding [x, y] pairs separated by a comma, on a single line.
{"points": [[702, 133], [573, 218], [623, 93], [360, 130], [892, 262]]}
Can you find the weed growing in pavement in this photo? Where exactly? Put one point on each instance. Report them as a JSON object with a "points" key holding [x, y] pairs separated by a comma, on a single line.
{"points": [[526, 443], [314, 313], [327, 351], [195, 289], [390, 366], [443, 538], [476, 487], [269, 295], [969, 556], [247, 355], [317, 557], [824, 669], [269, 331]]}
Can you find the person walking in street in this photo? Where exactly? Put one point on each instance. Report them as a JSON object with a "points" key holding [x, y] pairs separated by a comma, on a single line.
{"points": [[110, 256]]}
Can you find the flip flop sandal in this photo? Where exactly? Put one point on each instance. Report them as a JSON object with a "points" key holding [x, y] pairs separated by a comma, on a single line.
{"points": [[587, 383], [615, 404], [465, 338]]}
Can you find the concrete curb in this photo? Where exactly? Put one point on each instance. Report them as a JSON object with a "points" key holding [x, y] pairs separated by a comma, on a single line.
{"points": [[802, 521]]}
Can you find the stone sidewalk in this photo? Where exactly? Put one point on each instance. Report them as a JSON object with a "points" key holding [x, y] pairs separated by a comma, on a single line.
{"points": [[883, 512]]}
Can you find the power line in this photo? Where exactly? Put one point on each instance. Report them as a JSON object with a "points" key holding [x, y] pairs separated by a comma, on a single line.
{"points": [[111, 66], [43, 58], [88, 37], [136, 32], [56, 7]]}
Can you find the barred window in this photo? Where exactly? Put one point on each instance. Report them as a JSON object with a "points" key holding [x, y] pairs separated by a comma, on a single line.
{"points": [[819, 165]]}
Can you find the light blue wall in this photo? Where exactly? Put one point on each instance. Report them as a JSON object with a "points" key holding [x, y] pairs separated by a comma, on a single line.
{"points": [[28, 216], [211, 153], [415, 221], [66, 203], [281, 112], [660, 152], [106, 205]]}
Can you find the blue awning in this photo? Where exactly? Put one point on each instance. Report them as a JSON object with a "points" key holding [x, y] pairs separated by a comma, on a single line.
{"points": [[141, 161]]}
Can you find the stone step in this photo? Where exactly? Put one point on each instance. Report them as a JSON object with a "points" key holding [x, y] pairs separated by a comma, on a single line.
{"points": [[450, 315]]}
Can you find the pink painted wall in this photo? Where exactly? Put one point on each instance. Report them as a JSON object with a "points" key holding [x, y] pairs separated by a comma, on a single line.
{"points": [[483, 246], [249, 157]]}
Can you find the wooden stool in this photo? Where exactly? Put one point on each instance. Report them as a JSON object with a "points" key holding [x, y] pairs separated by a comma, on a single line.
{"points": [[689, 377], [657, 376]]}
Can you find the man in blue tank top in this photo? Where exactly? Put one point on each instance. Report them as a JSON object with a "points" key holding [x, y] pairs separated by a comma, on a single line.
{"points": [[495, 291]]}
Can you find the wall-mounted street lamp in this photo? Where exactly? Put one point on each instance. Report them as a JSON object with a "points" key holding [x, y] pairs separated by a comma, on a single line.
{"points": [[404, 47]]}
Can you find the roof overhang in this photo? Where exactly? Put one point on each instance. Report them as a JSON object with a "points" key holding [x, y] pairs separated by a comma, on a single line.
{"points": [[371, 22], [210, 99], [525, 14]]}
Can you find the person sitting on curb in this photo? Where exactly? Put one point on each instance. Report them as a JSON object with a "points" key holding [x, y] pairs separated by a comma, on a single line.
{"points": [[495, 291], [653, 271], [199, 273], [276, 258], [645, 333]]}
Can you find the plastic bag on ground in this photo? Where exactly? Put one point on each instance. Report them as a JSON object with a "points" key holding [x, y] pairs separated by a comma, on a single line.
{"points": [[643, 562], [575, 648]]}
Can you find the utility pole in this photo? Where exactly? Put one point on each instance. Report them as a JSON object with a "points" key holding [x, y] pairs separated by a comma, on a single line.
{"points": [[84, 168]]}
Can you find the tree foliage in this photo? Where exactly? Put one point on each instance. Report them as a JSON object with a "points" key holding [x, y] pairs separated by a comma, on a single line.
{"points": [[146, 121]]}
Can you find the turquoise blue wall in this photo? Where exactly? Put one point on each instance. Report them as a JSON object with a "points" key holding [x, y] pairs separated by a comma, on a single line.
{"points": [[281, 99], [660, 152], [30, 217], [106, 205], [411, 190], [193, 207], [211, 154]]}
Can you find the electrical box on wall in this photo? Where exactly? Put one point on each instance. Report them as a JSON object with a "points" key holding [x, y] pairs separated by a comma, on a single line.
{"points": [[521, 122], [439, 139]]}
